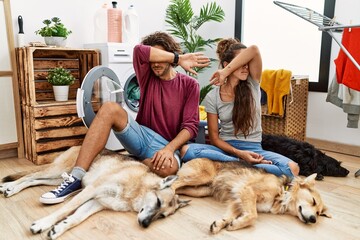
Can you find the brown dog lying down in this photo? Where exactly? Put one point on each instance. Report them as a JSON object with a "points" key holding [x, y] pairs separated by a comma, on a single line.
{"points": [[114, 181], [248, 190]]}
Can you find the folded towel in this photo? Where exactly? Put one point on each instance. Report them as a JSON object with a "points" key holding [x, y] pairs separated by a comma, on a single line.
{"points": [[276, 84], [202, 113]]}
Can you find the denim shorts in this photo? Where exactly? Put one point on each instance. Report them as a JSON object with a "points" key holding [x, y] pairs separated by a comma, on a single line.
{"points": [[141, 141]]}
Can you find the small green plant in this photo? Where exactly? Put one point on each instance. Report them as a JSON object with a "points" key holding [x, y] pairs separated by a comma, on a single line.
{"points": [[60, 77], [53, 28]]}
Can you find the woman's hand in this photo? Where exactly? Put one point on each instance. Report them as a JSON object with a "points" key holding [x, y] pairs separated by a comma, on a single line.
{"points": [[218, 78], [190, 60], [252, 157]]}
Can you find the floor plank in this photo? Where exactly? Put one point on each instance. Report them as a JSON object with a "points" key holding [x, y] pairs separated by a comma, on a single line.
{"points": [[341, 195]]}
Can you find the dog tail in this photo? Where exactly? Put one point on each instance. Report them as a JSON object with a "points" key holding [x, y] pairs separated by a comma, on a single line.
{"points": [[13, 177], [16, 176]]}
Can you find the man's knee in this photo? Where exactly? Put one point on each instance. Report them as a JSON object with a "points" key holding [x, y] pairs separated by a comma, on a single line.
{"points": [[114, 114], [162, 172], [110, 108]]}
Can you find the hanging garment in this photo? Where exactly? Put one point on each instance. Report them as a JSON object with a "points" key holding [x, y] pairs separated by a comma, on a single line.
{"points": [[347, 99], [346, 72], [276, 84]]}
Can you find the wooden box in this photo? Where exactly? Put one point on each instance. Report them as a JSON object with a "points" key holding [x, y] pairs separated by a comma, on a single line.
{"points": [[293, 123], [49, 126]]}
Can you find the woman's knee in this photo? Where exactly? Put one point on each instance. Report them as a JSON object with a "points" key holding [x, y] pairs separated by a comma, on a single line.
{"points": [[294, 167], [183, 150]]}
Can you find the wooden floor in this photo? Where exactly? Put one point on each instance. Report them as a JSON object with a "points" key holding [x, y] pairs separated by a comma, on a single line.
{"points": [[341, 195]]}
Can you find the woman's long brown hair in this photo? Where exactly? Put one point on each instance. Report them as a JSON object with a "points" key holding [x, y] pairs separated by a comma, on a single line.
{"points": [[244, 105]]}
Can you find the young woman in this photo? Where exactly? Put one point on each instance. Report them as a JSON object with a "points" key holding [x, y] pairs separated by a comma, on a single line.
{"points": [[235, 103]]}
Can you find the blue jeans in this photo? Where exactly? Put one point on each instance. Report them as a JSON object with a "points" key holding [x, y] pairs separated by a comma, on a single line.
{"points": [[279, 166], [141, 141]]}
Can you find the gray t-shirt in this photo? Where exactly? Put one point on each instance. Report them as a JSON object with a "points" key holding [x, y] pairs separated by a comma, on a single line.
{"points": [[214, 104]]}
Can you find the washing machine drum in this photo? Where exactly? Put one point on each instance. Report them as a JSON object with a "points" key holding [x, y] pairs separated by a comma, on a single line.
{"points": [[99, 85]]}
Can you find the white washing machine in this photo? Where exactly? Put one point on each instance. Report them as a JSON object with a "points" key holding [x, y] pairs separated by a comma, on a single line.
{"points": [[114, 80]]}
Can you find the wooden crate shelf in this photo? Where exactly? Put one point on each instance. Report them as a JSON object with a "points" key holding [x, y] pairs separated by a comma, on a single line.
{"points": [[49, 126]]}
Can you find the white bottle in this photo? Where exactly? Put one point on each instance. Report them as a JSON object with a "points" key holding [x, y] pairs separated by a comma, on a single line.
{"points": [[131, 26], [101, 25]]}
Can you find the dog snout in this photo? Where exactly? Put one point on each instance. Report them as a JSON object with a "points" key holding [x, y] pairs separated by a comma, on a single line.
{"points": [[145, 222], [312, 219]]}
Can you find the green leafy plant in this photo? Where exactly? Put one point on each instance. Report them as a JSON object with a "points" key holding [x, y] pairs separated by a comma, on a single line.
{"points": [[204, 90], [53, 28], [184, 24], [60, 77]]}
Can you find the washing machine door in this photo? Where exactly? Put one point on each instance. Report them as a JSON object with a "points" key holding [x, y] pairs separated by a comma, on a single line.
{"points": [[100, 85]]}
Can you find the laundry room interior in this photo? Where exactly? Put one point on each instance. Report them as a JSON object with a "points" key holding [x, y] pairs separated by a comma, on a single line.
{"points": [[98, 52]]}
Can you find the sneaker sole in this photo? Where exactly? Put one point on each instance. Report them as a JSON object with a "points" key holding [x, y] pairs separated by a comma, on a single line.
{"points": [[59, 199]]}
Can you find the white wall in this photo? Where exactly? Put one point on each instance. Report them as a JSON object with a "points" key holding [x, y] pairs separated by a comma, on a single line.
{"points": [[325, 121], [78, 16]]}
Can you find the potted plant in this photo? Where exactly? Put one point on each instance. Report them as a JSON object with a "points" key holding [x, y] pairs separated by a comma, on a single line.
{"points": [[60, 78], [184, 24], [54, 32]]}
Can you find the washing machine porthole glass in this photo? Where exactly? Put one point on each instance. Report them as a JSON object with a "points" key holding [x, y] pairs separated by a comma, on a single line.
{"points": [[132, 93]]}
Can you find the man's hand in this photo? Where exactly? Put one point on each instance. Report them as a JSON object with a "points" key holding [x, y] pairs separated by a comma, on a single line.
{"points": [[190, 60], [163, 158]]}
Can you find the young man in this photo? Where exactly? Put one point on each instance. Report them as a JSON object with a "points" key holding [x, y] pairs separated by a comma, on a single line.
{"points": [[167, 118]]}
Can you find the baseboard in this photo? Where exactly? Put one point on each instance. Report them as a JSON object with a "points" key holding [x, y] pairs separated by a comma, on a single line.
{"points": [[335, 147], [8, 150]]}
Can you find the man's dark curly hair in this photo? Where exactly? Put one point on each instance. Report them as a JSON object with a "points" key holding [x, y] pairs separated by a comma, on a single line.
{"points": [[162, 39]]}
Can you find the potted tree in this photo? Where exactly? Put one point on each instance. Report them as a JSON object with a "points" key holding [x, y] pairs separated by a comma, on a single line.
{"points": [[61, 79], [184, 24], [54, 32]]}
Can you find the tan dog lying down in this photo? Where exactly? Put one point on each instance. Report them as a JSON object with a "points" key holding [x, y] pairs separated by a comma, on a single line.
{"points": [[248, 190], [113, 181]]}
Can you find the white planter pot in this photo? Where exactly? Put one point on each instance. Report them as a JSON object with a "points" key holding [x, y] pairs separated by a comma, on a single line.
{"points": [[61, 93], [55, 41]]}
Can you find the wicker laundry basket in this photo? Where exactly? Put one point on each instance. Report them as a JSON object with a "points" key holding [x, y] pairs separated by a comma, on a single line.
{"points": [[293, 123]]}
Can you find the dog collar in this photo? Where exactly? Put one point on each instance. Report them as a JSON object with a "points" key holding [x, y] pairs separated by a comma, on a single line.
{"points": [[287, 186]]}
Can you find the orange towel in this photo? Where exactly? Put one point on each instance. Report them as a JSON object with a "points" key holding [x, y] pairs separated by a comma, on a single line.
{"points": [[276, 84]]}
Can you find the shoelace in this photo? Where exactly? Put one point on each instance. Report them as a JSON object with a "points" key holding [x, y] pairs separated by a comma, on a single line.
{"points": [[67, 180]]}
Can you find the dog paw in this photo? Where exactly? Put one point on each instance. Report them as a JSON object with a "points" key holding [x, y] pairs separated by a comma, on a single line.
{"points": [[57, 230], [231, 227], [216, 226], [8, 189], [40, 226]]}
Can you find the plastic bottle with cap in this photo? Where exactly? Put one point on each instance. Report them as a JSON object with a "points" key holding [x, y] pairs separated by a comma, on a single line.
{"points": [[114, 23], [101, 24], [131, 26]]}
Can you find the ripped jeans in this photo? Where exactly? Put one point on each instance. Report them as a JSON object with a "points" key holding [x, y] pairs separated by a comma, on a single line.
{"points": [[279, 166]]}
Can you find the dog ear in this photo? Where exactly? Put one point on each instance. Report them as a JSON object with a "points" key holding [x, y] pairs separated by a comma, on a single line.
{"points": [[183, 203], [310, 180], [166, 182], [324, 213]]}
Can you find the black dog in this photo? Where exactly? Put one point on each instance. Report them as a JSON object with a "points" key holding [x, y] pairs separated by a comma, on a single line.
{"points": [[310, 159]]}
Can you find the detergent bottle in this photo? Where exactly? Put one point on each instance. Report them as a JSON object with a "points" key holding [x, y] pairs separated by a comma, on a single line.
{"points": [[131, 26], [114, 17], [101, 24]]}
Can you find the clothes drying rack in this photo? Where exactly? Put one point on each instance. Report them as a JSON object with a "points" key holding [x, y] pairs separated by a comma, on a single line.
{"points": [[324, 23]]}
